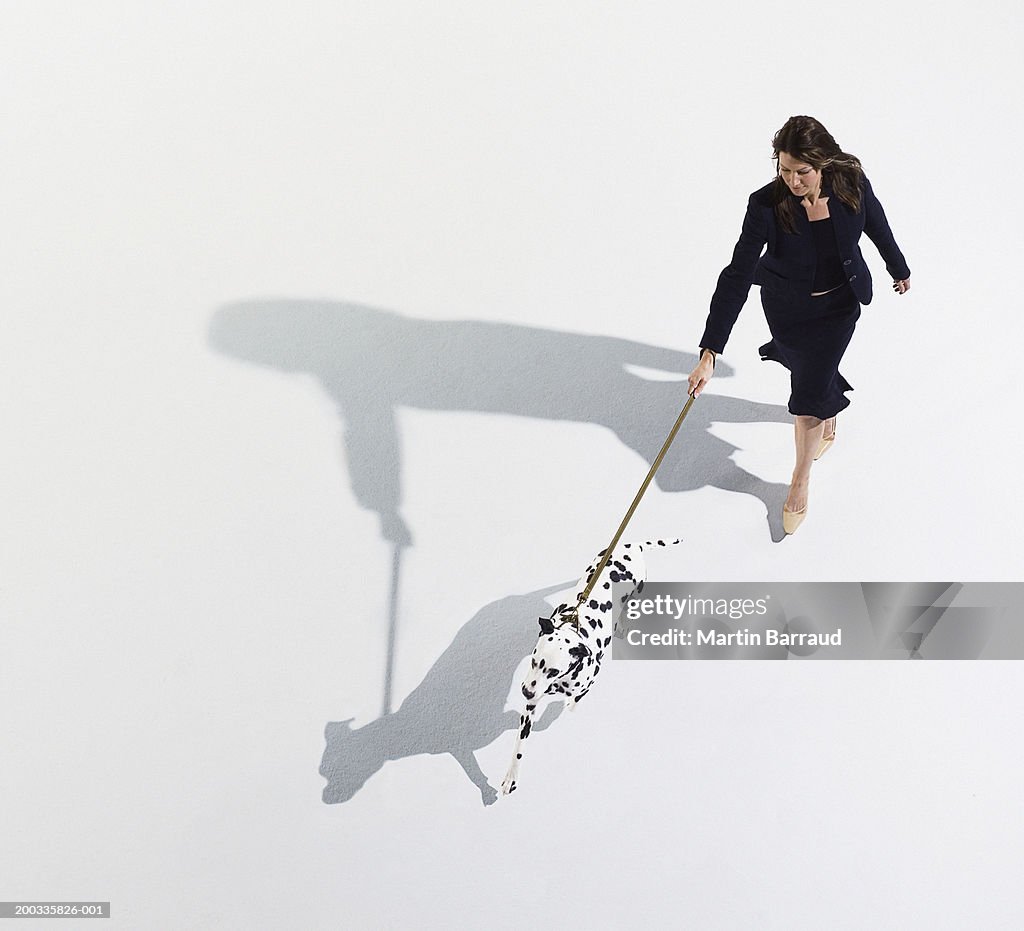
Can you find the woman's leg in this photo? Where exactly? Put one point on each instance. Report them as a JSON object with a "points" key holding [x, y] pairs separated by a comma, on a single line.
{"points": [[807, 433]]}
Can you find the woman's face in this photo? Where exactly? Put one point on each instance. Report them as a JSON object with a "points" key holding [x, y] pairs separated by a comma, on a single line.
{"points": [[800, 177]]}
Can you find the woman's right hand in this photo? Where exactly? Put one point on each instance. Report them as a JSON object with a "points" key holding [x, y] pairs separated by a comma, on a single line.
{"points": [[701, 375]]}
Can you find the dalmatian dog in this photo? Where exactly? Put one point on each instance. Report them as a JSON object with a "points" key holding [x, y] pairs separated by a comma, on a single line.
{"points": [[568, 655]]}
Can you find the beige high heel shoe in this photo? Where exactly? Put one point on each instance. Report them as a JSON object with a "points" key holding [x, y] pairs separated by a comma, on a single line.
{"points": [[827, 441], [792, 519]]}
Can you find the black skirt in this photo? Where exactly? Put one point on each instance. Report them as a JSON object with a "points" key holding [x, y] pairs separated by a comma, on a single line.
{"points": [[809, 337]]}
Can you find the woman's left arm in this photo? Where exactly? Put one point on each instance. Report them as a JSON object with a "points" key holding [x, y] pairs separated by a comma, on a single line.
{"points": [[877, 228]]}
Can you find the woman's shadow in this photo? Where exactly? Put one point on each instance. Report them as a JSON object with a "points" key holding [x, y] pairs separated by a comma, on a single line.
{"points": [[371, 361]]}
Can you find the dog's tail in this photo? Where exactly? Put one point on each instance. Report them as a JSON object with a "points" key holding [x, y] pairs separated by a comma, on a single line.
{"points": [[641, 544], [654, 543]]}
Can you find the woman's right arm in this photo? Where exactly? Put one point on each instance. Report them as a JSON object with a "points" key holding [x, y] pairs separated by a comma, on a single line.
{"points": [[736, 278], [731, 292]]}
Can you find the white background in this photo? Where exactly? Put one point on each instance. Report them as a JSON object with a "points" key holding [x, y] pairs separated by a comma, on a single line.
{"points": [[191, 590]]}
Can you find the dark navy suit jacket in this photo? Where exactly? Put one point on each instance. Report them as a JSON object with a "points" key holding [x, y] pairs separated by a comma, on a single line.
{"points": [[786, 269]]}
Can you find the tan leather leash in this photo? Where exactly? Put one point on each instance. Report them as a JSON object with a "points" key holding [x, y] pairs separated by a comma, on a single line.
{"points": [[573, 614]]}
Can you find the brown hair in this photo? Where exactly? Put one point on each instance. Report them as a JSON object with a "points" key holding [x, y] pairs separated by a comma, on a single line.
{"points": [[805, 139]]}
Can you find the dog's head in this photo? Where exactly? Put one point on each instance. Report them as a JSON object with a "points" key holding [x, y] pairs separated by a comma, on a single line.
{"points": [[559, 656], [563, 616]]}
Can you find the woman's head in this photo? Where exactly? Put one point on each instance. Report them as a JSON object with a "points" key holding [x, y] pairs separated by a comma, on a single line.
{"points": [[806, 155], [805, 140], [800, 177]]}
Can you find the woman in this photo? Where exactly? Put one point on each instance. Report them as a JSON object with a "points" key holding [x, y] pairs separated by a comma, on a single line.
{"points": [[813, 280]]}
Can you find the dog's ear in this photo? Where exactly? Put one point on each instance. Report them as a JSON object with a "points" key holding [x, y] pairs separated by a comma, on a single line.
{"points": [[546, 627]]}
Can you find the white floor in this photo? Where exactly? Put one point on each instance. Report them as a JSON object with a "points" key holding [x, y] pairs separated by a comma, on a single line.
{"points": [[335, 335]]}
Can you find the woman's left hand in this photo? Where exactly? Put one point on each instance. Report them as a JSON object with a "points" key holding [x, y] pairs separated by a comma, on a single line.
{"points": [[902, 286]]}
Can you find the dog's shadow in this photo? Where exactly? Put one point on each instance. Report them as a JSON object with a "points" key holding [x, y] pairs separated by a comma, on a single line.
{"points": [[457, 709]]}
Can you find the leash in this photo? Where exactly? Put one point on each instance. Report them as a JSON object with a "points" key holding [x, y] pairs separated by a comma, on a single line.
{"points": [[573, 614]]}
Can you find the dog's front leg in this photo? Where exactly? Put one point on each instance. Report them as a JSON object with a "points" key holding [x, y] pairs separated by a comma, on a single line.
{"points": [[508, 784]]}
